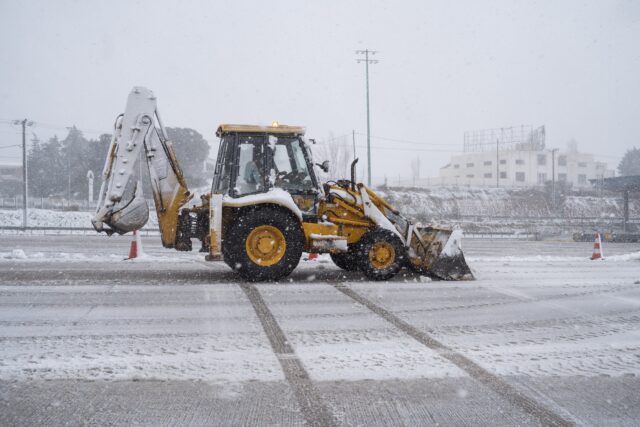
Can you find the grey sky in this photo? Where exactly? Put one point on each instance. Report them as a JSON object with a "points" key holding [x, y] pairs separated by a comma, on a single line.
{"points": [[445, 67]]}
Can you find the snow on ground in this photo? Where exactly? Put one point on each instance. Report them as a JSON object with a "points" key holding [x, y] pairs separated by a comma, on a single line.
{"points": [[507, 202], [133, 333], [541, 316], [19, 254], [526, 314], [338, 339], [52, 218]]}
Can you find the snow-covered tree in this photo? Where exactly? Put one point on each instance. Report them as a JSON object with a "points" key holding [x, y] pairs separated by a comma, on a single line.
{"points": [[630, 163], [192, 151]]}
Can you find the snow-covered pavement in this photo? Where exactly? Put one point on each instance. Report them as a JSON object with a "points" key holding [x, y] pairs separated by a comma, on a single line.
{"points": [[543, 336]]}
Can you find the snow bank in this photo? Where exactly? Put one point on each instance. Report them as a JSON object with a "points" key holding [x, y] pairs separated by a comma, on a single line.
{"points": [[551, 258], [51, 218], [633, 256], [451, 202]]}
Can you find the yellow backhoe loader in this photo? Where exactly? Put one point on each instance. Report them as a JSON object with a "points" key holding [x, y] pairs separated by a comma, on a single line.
{"points": [[266, 206]]}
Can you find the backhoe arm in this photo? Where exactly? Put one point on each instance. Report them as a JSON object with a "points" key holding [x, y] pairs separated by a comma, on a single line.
{"points": [[121, 206]]}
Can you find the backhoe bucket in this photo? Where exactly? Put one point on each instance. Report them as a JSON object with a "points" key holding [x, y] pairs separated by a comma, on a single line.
{"points": [[122, 219], [437, 252]]}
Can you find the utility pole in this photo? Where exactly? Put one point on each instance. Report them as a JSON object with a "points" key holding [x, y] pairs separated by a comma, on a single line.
{"points": [[367, 61], [25, 187], [497, 163], [553, 178], [68, 181]]}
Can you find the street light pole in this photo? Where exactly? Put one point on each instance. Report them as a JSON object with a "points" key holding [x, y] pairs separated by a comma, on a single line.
{"points": [[25, 188], [497, 163], [553, 178], [367, 61]]}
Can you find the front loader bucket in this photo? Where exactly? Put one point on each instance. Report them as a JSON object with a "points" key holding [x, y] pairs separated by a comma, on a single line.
{"points": [[437, 252]]}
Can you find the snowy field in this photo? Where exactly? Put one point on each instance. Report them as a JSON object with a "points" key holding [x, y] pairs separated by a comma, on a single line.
{"points": [[544, 336]]}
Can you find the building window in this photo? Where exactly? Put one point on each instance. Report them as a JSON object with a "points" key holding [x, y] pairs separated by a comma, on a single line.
{"points": [[487, 175], [519, 162], [520, 176], [503, 175], [562, 177], [503, 162], [542, 159], [469, 165], [582, 164], [470, 176], [562, 160], [456, 166], [487, 162], [542, 177], [582, 179]]}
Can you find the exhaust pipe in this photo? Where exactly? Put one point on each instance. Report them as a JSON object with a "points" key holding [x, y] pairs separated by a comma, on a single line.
{"points": [[353, 174]]}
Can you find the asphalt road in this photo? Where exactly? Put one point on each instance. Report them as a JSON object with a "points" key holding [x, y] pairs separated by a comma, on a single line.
{"points": [[543, 337]]}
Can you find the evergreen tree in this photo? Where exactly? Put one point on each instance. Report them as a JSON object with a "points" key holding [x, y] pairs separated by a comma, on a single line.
{"points": [[630, 163], [76, 156], [57, 168], [192, 151], [50, 171]]}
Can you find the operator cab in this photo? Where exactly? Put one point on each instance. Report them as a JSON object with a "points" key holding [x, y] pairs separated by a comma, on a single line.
{"points": [[253, 159]]}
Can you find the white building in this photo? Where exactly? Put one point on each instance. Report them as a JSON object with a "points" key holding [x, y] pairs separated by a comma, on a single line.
{"points": [[520, 162]]}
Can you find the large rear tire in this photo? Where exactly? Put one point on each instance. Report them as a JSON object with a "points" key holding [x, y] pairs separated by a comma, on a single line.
{"points": [[345, 260], [380, 255], [264, 244]]}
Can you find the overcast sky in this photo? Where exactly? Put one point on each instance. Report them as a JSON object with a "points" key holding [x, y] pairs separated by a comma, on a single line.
{"points": [[445, 67]]}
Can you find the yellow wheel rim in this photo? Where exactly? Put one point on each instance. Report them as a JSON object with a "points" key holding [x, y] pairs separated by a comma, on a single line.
{"points": [[266, 245], [382, 255]]}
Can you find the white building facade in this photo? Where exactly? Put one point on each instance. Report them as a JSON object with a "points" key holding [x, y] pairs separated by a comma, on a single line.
{"points": [[519, 158], [522, 168]]}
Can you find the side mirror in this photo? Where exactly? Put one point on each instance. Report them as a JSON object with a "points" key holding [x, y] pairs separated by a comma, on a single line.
{"points": [[324, 166]]}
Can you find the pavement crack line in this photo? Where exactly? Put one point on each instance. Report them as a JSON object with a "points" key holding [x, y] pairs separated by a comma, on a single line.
{"points": [[314, 411], [512, 395]]}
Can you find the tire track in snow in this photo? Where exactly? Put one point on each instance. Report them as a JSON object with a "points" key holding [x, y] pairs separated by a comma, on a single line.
{"points": [[314, 410], [512, 395]]}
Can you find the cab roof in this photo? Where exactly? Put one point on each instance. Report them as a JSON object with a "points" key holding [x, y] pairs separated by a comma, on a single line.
{"points": [[276, 128]]}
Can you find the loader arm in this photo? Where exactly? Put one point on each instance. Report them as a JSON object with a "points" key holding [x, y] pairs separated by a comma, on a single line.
{"points": [[140, 136]]}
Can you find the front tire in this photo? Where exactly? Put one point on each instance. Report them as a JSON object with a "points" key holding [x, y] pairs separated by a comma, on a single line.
{"points": [[345, 260], [380, 255], [264, 244]]}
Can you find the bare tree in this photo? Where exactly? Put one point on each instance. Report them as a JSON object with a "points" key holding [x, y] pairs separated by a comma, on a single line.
{"points": [[336, 150]]}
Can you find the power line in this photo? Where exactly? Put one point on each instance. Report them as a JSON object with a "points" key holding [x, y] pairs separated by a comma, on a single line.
{"points": [[402, 141], [380, 147], [407, 141], [58, 127], [429, 150]]}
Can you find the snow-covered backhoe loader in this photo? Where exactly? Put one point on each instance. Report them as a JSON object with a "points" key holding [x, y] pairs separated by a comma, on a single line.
{"points": [[266, 206]]}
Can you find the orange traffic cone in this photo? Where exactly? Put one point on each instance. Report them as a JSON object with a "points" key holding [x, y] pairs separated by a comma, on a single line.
{"points": [[133, 250], [312, 256], [597, 248]]}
